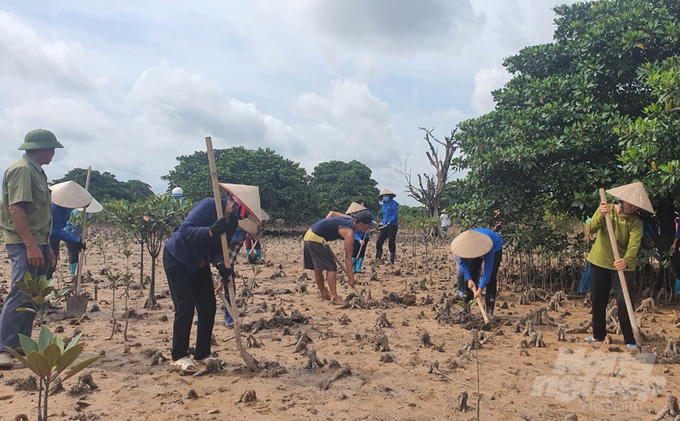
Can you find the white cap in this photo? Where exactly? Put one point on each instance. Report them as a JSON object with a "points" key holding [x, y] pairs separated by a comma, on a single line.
{"points": [[177, 191]]}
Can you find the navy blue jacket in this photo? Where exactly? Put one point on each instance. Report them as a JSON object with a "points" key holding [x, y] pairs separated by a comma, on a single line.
{"points": [[192, 244]]}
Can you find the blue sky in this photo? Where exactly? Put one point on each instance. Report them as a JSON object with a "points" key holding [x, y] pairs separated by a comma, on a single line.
{"points": [[129, 86]]}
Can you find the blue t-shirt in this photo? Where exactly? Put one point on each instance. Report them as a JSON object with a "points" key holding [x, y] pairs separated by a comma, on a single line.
{"points": [[192, 244], [488, 257], [328, 227], [390, 211], [60, 217]]}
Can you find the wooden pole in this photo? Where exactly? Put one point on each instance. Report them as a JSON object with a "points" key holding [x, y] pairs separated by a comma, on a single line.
{"points": [[622, 278], [83, 236], [481, 307], [342, 268], [230, 306]]}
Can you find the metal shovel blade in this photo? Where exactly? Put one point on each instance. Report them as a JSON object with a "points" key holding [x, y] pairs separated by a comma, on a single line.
{"points": [[76, 305]]}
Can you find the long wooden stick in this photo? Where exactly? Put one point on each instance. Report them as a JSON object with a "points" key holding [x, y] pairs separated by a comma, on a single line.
{"points": [[622, 278], [83, 235], [342, 268], [481, 307], [247, 358]]}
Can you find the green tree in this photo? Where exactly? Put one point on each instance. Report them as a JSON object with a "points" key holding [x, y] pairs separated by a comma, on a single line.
{"points": [[552, 140], [338, 183], [651, 147], [284, 185], [104, 186], [160, 215]]}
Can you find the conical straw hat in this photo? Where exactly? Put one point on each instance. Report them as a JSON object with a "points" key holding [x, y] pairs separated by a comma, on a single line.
{"points": [[386, 192], [633, 193], [265, 216], [70, 194], [249, 225], [248, 195], [94, 206], [471, 244], [354, 208]]}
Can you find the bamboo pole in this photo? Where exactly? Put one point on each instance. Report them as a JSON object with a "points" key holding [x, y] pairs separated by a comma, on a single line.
{"points": [[622, 278], [230, 306], [83, 236], [342, 268], [482, 307]]}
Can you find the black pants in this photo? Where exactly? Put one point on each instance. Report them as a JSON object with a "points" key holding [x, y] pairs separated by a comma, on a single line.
{"points": [[357, 247], [603, 280], [389, 232], [491, 287], [73, 252], [189, 291]]}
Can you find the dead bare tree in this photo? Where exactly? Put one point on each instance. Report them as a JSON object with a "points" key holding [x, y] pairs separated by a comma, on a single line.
{"points": [[430, 188]]}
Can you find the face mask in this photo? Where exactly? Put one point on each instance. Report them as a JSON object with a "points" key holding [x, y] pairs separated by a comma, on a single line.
{"points": [[386, 199]]}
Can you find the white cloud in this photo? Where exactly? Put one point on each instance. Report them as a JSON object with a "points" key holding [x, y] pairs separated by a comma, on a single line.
{"points": [[129, 86], [25, 55], [487, 80]]}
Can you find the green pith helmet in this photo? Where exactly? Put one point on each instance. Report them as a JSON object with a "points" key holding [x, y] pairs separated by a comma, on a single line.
{"points": [[40, 139]]}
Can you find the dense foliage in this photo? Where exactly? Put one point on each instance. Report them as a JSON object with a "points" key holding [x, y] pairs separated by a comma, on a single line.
{"points": [[284, 185], [338, 183], [596, 108], [104, 186]]}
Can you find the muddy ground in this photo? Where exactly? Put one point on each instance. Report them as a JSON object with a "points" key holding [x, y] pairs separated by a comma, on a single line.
{"points": [[417, 362]]}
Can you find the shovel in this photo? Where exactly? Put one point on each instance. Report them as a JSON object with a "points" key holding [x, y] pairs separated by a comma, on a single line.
{"points": [[481, 307], [77, 304], [342, 268], [247, 358], [622, 278]]}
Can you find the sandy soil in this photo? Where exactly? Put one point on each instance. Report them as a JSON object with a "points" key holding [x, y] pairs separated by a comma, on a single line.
{"points": [[422, 383]]}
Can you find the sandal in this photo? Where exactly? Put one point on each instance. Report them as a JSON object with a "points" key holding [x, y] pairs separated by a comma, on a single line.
{"points": [[185, 365]]}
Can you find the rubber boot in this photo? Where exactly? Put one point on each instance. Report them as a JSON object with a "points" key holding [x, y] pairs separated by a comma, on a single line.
{"points": [[392, 258], [677, 286], [73, 268], [259, 254], [354, 265], [490, 304], [360, 262]]}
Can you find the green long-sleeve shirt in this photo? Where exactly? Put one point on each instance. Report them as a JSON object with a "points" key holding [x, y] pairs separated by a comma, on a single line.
{"points": [[628, 234]]}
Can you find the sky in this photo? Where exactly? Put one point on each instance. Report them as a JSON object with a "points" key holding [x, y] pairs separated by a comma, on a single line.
{"points": [[128, 86]]}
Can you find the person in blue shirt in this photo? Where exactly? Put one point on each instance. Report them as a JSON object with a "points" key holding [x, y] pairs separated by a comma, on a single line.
{"points": [[59, 233], [360, 238], [390, 225], [475, 249], [186, 259]]}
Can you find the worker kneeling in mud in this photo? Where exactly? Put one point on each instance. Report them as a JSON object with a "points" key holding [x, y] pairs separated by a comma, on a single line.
{"points": [[319, 256], [471, 249], [186, 260]]}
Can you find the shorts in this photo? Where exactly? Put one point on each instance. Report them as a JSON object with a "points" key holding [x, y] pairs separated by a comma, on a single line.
{"points": [[318, 257]]}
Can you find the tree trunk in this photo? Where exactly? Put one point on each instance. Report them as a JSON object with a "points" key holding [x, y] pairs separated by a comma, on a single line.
{"points": [[151, 301], [141, 264]]}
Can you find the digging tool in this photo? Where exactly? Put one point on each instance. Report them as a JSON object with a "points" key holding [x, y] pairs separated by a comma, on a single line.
{"points": [[622, 278], [247, 358], [482, 307], [342, 268], [77, 304], [362, 245]]}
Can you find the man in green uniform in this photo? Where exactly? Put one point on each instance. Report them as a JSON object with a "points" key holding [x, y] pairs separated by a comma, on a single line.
{"points": [[26, 221]]}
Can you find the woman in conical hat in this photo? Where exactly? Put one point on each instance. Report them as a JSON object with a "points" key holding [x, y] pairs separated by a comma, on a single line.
{"points": [[604, 269], [360, 238], [471, 249]]}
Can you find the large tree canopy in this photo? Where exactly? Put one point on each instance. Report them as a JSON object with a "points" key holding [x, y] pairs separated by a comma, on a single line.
{"points": [[553, 138], [284, 185], [104, 186], [338, 183]]}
